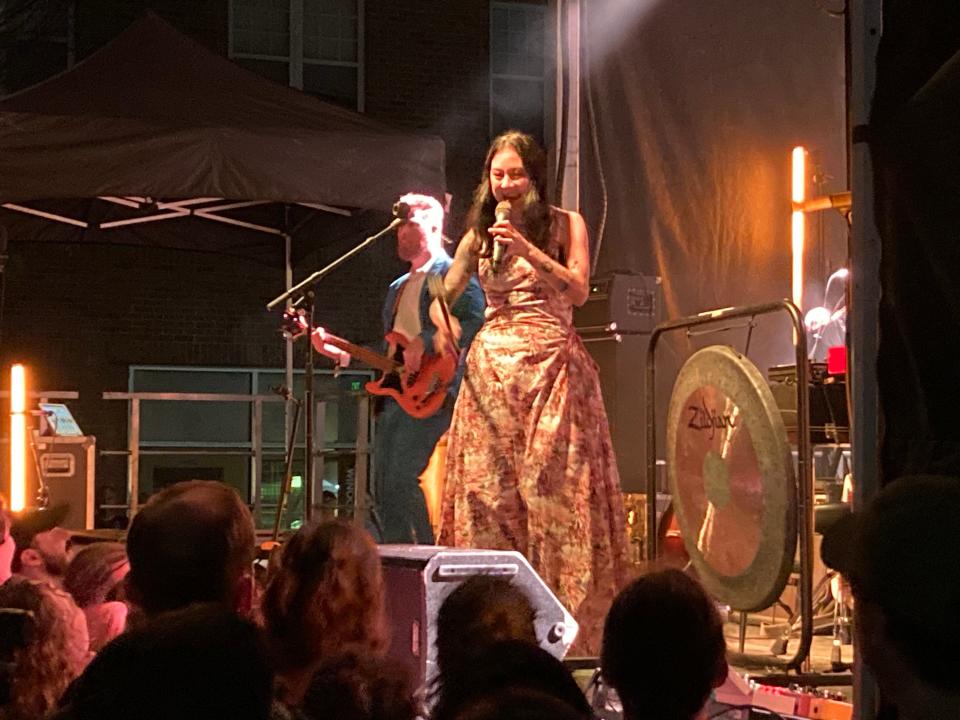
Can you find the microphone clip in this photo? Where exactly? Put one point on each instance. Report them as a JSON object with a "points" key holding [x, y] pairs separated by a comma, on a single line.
{"points": [[401, 211]]}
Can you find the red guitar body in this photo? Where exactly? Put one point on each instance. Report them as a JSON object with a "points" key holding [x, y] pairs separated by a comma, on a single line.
{"points": [[420, 394]]}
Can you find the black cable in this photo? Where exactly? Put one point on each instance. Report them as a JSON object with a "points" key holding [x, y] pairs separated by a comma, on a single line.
{"points": [[564, 58], [595, 143], [751, 708], [829, 11]]}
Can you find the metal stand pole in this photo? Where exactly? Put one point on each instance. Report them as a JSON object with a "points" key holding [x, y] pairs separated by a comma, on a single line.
{"points": [[310, 413], [288, 467], [306, 288]]}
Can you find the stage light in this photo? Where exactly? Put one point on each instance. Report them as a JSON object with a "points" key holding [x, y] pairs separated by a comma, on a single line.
{"points": [[798, 189], [816, 319], [798, 222], [18, 438]]}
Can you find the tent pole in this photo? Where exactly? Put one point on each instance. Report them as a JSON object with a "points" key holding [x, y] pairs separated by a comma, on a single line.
{"points": [[288, 380], [865, 22], [288, 283]]}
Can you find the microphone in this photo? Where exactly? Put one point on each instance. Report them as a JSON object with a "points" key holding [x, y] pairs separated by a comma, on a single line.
{"points": [[501, 213], [401, 211]]}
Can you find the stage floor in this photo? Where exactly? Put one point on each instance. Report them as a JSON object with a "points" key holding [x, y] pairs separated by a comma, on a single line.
{"points": [[758, 642]]}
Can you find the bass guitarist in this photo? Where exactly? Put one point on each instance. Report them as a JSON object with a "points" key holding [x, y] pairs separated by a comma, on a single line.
{"points": [[403, 444]]}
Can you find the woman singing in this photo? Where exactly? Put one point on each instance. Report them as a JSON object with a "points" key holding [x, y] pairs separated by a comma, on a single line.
{"points": [[530, 465]]}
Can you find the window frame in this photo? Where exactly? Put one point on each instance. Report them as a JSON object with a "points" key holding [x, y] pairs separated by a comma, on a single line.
{"points": [[255, 487], [252, 374], [543, 78], [295, 59]]}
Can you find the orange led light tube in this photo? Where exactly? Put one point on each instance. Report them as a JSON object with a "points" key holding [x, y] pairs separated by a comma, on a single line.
{"points": [[798, 192], [18, 438]]}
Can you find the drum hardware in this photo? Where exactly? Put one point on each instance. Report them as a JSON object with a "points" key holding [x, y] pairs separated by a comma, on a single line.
{"points": [[829, 597], [827, 394]]}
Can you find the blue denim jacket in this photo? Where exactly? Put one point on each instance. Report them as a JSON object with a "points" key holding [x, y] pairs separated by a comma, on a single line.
{"points": [[468, 310]]}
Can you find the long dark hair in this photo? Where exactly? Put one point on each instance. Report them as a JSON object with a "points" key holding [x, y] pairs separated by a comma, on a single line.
{"points": [[325, 596], [536, 209]]}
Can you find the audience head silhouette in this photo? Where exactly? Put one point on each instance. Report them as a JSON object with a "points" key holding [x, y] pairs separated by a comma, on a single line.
{"points": [[201, 661], [324, 598], [901, 555], [43, 647], [482, 610], [663, 647], [192, 542]]}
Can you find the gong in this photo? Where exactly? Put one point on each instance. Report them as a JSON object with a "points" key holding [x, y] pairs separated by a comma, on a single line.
{"points": [[732, 478]]}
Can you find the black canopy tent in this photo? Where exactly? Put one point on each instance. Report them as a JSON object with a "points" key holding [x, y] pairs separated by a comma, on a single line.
{"points": [[156, 140], [156, 127]]}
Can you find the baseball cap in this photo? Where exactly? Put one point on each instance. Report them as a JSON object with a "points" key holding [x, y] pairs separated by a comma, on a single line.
{"points": [[901, 551], [28, 524]]}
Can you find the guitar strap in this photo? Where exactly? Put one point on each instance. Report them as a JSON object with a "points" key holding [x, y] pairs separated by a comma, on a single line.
{"points": [[438, 291]]}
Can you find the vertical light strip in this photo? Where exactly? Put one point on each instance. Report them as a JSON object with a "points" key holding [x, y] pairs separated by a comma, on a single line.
{"points": [[18, 438], [798, 222]]}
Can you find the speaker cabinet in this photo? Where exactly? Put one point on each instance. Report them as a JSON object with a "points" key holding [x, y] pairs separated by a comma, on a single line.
{"points": [[621, 361], [615, 324], [419, 577], [68, 468]]}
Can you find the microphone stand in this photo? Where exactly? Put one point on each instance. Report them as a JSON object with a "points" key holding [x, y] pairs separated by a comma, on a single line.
{"points": [[288, 460], [306, 288]]}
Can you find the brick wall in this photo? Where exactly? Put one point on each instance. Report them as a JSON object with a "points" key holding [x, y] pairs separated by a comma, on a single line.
{"points": [[428, 69], [79, 315], [99, 21]]}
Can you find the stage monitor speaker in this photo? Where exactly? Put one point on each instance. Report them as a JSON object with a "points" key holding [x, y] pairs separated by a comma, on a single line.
{"points": [[68, 467], [419, 577]]}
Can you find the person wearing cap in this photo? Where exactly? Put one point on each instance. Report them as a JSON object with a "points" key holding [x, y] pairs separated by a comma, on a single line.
{"points": [[42, 551], [901, 556]]}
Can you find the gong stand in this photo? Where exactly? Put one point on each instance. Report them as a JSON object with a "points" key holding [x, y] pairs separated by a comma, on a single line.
{"points": [[741, 507]]}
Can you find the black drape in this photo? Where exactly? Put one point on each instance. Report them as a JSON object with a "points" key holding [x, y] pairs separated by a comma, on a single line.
{"points": [[696, 106], [915, 146]]}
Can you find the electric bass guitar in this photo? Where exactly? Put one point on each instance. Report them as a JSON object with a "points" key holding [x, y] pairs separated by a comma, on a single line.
{"points": [[420, 394]]}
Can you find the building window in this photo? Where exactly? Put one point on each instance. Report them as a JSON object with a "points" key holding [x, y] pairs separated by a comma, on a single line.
{"points": [[312, 45], [518, 68], [38, 42]]}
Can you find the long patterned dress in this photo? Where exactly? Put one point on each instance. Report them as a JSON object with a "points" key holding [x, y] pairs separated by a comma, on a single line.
{"points": [[530, 464]]}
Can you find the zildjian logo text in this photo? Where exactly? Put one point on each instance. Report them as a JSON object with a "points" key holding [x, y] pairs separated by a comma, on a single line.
{"points": [[704, 418]]}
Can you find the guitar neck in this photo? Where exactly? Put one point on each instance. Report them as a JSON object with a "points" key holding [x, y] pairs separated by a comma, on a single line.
{"points": [[367, 357]]}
